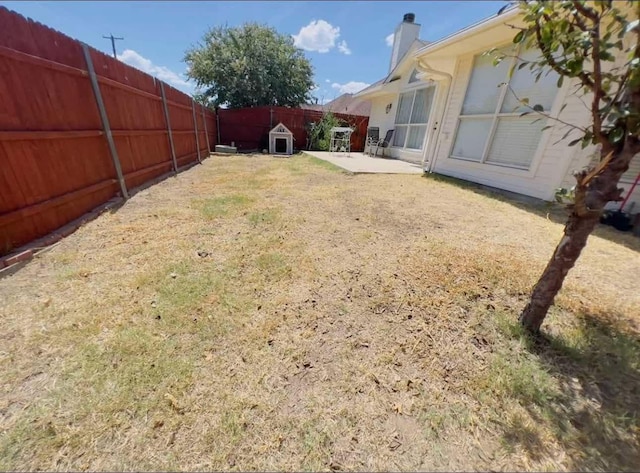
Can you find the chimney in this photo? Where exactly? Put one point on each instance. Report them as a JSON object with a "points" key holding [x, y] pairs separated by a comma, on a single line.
{"points": [[406, 33]]}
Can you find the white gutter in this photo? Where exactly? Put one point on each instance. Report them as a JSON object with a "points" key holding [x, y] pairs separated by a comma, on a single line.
{"points": [[471, 30], [446, 78]]}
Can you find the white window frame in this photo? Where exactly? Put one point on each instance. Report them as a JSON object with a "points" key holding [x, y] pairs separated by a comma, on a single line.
{"points": [[495, 116], [414, 88]]}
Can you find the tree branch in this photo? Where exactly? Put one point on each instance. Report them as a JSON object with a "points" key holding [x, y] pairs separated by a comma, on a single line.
{"points": [[586, 11], [546, 115], [598, 93], [583, 76]]}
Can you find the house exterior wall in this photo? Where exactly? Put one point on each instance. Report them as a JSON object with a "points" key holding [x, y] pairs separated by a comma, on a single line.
{"points": [[379, 117], [539, 181], [386, 121], [554, 161]]}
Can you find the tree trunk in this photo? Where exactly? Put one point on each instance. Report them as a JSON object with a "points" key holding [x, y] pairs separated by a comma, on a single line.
{"points": [[594, 190], [576, 232]]}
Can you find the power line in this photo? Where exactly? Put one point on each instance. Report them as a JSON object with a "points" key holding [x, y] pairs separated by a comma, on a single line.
{"points": [[113, 43]]}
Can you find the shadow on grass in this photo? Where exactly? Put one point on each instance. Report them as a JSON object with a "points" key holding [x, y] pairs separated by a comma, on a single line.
{"points": [[549, 210], [595, 416]]}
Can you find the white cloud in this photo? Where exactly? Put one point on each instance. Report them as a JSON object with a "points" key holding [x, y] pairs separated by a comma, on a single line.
{"points": [[327, 80], [343, 48], [389, 40], [317, 36], [350, 87], [131, 57]]}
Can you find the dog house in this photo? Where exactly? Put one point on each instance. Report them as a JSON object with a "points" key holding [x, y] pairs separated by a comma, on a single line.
{"points": [[280, 140]]}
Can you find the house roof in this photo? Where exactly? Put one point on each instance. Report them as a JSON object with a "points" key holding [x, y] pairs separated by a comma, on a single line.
{"points": [[470, 30], [416, 45], [312, 106], [345, 103], [373, 87], [350, 104], [421, 47], [377, 86]]}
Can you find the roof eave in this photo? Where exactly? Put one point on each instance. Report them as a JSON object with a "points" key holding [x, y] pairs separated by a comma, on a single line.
{"points": [[368, 92], [478, 27]]}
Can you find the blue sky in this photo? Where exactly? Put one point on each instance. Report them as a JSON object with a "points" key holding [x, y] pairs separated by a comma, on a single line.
{"points": [[346, 41]]}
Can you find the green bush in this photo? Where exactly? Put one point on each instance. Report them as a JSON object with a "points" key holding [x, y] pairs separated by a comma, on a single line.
{"points": [[320, 132]]}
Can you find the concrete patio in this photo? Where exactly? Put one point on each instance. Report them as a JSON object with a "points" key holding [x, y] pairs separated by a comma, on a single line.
{"points": [[361, 163]]}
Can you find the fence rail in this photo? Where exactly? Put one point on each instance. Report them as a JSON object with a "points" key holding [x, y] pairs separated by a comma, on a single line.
{"points": [[70, 142]]}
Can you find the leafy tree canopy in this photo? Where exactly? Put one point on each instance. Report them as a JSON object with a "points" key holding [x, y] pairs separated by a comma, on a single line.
{"points": [[249, 66]]}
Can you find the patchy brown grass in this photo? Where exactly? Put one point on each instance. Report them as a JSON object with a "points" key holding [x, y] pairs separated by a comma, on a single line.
{"points": [[278, 314]]}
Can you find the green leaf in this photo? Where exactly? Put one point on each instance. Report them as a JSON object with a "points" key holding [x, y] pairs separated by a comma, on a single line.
{"points": [[538, 108], [560, 81], [575, 142], [616, 134], [518, 37], [524, 100]]}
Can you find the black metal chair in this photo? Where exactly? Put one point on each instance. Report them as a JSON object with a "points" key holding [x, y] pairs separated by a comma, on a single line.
{"points": [[384, 143]]}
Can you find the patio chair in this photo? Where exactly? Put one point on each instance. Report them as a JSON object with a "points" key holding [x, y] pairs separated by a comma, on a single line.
{"points": [[373, 136], [384, 143]]}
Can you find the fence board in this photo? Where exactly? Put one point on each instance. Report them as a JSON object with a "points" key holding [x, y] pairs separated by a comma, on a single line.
{"points": [[56, 164], [249, 128]]}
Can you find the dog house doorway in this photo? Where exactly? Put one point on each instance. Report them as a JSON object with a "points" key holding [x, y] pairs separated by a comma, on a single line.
{"points": [[281, 145], [280, 140]]}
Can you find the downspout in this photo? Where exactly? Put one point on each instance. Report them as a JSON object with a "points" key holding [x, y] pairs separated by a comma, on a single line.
{"points": [[447, 79]]}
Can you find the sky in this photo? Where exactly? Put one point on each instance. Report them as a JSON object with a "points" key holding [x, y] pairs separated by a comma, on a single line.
{"points": [[347, 42]]}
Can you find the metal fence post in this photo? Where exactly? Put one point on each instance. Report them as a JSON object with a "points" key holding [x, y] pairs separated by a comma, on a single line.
{"points": [[166, 118], [105, 120], [206, 132], [195, 128]]}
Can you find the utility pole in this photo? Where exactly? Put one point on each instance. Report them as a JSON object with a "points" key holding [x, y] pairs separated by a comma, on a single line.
{"points": [[113, 43]]}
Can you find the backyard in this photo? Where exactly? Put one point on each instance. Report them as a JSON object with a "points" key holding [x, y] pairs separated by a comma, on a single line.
{"points": [[281, 314]]}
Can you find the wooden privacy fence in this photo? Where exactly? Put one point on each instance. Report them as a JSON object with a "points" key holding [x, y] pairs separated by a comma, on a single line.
{"points": [[78, 127], [249, 128]]}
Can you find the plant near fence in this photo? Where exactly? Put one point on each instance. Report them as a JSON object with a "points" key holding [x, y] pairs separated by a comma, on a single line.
{"points": [[320, 131]]}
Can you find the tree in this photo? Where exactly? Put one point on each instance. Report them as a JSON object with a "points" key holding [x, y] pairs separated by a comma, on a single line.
{"points": [[250, 66], [584, 42], [204, 99]]}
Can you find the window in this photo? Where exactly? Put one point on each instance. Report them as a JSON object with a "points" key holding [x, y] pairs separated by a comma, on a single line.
{"points": [[412, 117], [490, 129], [414, 76]]}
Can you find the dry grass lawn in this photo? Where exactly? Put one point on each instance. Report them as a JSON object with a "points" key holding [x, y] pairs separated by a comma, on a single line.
{"points": [[278, 314]]}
